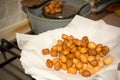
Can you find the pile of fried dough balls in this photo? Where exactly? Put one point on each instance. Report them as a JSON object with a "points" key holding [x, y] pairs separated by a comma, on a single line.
{"points": [[53, 7], [78, 56]]}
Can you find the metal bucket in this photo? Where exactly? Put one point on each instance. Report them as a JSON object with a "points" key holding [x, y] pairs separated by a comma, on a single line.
{"points": [[41, 24]]}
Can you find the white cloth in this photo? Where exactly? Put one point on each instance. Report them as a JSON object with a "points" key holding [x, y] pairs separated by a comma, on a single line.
{"points": [[33, 61]]}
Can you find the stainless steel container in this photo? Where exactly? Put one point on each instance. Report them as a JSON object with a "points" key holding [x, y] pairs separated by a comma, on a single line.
{"points": [[41, 24]]}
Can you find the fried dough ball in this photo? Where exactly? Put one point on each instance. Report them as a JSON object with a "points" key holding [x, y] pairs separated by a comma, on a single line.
{"points": [[64, 46], [70, 37], [108, 60], [91, 45], [71, 56], [59, 42], [101, 62], [59, 48], [83, 50], [105, 50], [97, 68], [64, 36], [46, 51], [85, 39], [54, 53], [79, 65], [66, 51], [98, 57], [84, 44], [86, 73], [60, 3], [72, 70], [69, 62], [55, 60], [64, 66], [92, 52], [74, 49], [77, 54], [57, 66], [75, 60], [63, 58], [94, 63], [98, 48], [77, 42], [69, 43], [91, 58], [92, 71], [49, 63], [54, 48], [83, 58]]}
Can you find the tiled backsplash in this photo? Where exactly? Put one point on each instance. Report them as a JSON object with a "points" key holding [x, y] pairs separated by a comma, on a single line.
{"points": [[10, 12]]}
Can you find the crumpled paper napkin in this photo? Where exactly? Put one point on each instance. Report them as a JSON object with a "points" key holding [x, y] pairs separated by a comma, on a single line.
{"points": [[33, 61]]}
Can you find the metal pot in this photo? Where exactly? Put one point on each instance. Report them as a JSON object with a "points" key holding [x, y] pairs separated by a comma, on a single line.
{"points": [[41, 24]]}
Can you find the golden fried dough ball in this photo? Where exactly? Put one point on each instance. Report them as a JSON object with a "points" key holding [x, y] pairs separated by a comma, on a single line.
{"points": [[74, 49], [79, 65], [97, 68], [98, 57], [75, 60], [55, 60], [64, 46], [63, 58], [84, 44], [91, 58], [83, 58], [66, 51], [91, 45], [105, 50], [69, 62], [71, 56], [59, 48], [60, 3], [99, 48], [101, 62], [77, 42], [83, 50], [54, 48], [64, 36], [86, 73], [54, 53], [94, 63], [72, 70], [46, 51], [108, 60], [92, 52], [70, 37], [77, 54], [57, 66], [49, 63], [85, 39], [64, 66], [59, 42], [72, 46], [69, 43]]}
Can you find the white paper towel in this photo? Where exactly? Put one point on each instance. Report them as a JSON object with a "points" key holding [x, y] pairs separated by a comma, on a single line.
{"points": [[33, 61]]}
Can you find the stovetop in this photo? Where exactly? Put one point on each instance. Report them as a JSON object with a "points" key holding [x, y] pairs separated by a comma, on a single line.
{"points": [[10, 66]]}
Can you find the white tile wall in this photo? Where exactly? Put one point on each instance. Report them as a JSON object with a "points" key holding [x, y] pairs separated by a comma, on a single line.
{"points": [[10, 12]]}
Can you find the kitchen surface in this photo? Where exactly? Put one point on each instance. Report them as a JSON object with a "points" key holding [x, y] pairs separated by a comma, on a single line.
{"points": [[14, 19]]}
